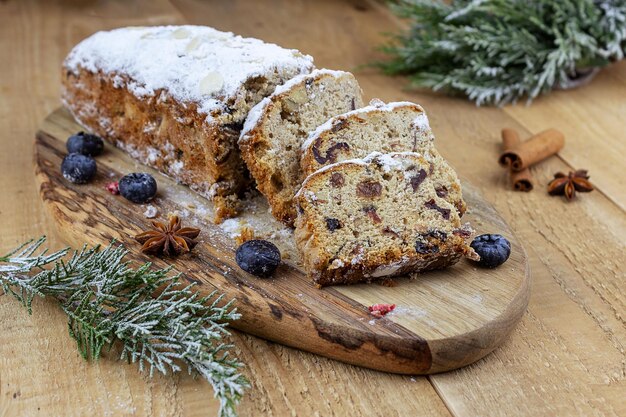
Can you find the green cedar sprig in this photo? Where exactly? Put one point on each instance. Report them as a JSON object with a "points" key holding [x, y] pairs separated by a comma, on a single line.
{"points": [[498, 51], [108, 302]]}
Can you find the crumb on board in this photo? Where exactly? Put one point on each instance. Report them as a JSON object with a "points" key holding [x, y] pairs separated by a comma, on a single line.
{"points": [[387, 282], [245, 234]]}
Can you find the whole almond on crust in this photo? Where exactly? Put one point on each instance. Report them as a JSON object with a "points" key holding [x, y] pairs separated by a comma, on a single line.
{"points": [[211, 83]]}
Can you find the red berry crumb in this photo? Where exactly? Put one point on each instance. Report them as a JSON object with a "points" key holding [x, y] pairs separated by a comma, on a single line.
{"points": [[381, 310], [113, 188]]}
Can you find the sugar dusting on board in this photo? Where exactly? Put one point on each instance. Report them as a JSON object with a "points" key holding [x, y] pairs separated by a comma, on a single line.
{"points": [[412, 313], [254, 216]]}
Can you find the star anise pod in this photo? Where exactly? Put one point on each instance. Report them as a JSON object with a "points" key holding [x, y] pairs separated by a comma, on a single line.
{"points": [[170, 239], [567, 185]]}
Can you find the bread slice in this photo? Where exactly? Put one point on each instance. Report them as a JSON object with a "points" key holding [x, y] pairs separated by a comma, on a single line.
{"points": [[176, 97], [361, 220], [380, 127], [275, 129]]}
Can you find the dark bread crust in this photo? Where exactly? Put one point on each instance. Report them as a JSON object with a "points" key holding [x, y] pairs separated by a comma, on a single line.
{"points": [[163, 133], [328, 268]]}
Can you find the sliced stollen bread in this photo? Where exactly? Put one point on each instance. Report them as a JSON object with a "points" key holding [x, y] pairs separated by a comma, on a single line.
{"points": [[273, 133], [380, 127], [176, 97], [361, 220]]}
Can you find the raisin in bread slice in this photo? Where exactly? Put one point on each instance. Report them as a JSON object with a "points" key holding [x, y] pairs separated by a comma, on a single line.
{"points": [[361, 220], [276, 128], [380, 127]]}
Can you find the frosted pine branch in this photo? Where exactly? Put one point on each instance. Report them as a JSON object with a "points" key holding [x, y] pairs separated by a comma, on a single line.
{"points": [[108, 302], [499, 51]]}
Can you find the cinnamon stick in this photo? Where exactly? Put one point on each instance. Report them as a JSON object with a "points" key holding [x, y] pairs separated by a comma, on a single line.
{"points": [[535, 149], [510, 139], [521, 180]]}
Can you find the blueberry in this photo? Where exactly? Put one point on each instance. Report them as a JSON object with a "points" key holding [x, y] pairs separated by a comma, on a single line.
{"points": [[85, 144], [138, 187], [77, 168], [258, 257], [493, 250]]}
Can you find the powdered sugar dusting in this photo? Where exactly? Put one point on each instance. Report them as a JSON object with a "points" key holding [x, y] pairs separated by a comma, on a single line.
{"points": [[198, 211], [172, 167], [393, 161], [359, 257], [421, 122], [304, 77], [232, 227], [254, 115], [191, 63], [415, 312]]}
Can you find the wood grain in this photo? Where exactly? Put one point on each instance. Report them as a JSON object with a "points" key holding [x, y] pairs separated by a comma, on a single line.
{"points": [[567, 357], [444, 320]]}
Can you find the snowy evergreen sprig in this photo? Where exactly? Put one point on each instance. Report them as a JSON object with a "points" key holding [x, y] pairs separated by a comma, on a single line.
{"points": [[498, 51], [108, 302]]}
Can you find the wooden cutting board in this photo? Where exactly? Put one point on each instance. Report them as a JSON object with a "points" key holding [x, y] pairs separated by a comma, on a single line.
{"points": [[444, 319]]}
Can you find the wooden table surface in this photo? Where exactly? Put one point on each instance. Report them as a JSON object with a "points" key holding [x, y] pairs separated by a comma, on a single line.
{"points": [[567, 356]]}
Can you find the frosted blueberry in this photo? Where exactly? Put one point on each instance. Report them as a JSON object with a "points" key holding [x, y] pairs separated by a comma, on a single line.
{"points": [[138, 187], [77, 168], [258, 257]]}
